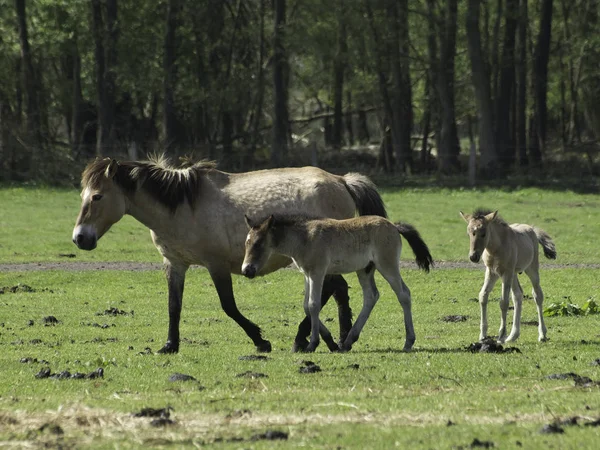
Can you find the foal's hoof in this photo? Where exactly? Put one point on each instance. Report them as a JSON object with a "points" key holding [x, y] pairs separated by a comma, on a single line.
{"points": [[543, 339], [299, 346], [264, 347], [169, 348]]}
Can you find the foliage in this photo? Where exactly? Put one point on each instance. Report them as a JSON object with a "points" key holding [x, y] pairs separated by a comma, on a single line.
{"points": [[569, 309]]}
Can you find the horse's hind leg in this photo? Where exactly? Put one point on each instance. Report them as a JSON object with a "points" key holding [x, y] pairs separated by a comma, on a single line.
{"points": [[392, 276], [222, 282], [366, 279], [338, 287], [534, 275], [517, 297], [488, 285]]}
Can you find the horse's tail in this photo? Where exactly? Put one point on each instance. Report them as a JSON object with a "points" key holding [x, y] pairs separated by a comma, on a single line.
{"points": [[364, 193], [418, 245], [546, 242]]}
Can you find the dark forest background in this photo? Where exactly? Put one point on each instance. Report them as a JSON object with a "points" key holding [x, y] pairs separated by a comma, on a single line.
{"points": [[427, 86]]}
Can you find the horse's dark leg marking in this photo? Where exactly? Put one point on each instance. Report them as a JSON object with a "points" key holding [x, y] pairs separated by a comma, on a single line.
{"points": [[175, 282], [338, 287], [222, 282]]}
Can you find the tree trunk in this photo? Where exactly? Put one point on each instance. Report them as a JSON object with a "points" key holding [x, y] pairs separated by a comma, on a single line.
{"points": [[433, 96], [504, 141], [521, 98], [348, 117], [449, 147], [481, 82], [77, 103], [495, 55], [540, 75], [338, 77], [279, 150], [171, 137], [29, 82]]}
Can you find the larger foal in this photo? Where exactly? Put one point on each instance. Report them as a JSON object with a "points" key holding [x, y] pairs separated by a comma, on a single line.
{"points": [[506, 251], [321, 247]]}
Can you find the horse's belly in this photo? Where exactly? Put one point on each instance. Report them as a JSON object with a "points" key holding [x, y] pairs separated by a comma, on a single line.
{"points": [[348, 264]]}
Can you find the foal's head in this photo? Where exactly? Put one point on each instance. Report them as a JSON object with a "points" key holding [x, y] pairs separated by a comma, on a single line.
{"points": [[478, 231], [102, 203], [259, 246]]}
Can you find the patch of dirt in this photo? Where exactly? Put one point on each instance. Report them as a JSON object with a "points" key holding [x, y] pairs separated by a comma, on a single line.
{"points": [[154, 412], [309, 367], [65, 374], [181, 377], [50, 321], [579, 380], [113, 311], [254, 358], [270, 435]]}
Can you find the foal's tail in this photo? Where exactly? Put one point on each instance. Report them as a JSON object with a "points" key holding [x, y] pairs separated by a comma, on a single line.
{"points": [[546, 242], [364, 193], [418, 245]]}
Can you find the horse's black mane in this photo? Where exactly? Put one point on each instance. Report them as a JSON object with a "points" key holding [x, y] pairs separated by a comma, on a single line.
{"points": [[480, 213], [169, 185]]}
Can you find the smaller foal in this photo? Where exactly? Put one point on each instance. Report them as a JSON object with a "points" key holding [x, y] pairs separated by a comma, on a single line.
{"points": [[321, 247], [507, 250]]}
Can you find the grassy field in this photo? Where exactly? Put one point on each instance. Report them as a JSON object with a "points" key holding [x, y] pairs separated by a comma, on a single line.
{"points": [[438, 396]]}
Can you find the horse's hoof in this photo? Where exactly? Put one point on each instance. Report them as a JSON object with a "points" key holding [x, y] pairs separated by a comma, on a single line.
{"points": [[310, 348], [264, 347], [345, 349], [543, 339], [169, 349], [299, 346]]}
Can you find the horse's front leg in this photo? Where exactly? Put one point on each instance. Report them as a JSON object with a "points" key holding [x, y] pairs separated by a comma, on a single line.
{"points": [[336, 286], [222, 280], [175, 280], [517, 297], [507, 281], [312, 309], [488, 285]]}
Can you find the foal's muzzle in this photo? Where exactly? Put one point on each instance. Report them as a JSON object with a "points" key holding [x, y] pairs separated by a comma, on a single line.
{"points": [[249, 271]]}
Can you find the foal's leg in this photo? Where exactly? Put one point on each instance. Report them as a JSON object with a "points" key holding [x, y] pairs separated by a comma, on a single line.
{"points": [[175, 281], [338, 287], [517, 297], [488, 285], [392, 276], [507, 281], [534, 275], [312, 308], [370, 297], [222, 281]]}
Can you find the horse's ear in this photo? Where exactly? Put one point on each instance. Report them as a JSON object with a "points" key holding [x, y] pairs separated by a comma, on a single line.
{"points": [[491, 216], [248, 221], [270, 221], [111, 169], [466, 217]]}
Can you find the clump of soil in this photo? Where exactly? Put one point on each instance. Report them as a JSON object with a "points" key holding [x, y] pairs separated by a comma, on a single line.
{"points": [[155, 412], [455, 318], [489, 345], [579, 380], [181, 377], [65, 374], [17, 288], [113, 311], [270, 435], [309, 367], [50, 321]]}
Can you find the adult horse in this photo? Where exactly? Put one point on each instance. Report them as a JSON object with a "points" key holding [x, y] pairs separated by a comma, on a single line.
{"points": [[196, 216]]}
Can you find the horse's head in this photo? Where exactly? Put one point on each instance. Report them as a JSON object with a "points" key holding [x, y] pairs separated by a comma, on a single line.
{"points": [[477, 230], [102, 203], [258, 246]]}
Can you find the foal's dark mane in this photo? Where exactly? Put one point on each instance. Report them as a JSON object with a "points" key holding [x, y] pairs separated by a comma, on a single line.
{"points": [[480, 213], [169, 185]]}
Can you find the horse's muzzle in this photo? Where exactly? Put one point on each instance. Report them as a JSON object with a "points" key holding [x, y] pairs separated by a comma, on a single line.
{"points": [[85, 242], [249, 271], [474, 257]]}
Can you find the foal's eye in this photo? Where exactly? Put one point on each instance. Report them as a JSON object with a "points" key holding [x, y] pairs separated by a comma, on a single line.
{"points": [[96, 197]]}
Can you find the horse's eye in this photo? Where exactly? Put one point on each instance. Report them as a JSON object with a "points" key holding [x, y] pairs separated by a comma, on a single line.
{"points": [[96, 197]]}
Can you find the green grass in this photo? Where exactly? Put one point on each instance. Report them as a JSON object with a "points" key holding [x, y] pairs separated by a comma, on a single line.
{"points": [[37, 223], [393, 399]]}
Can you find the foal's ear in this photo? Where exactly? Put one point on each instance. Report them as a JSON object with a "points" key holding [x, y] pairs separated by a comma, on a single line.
{"points": [[111, 169], [491, 216], [466, 217], [248, 221]]}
